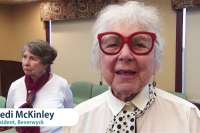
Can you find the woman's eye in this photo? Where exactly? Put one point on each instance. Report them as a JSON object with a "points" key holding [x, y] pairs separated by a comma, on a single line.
{"points": [[112, 45], [140, 45], [24, 56], [110, 41], [32, 58]]}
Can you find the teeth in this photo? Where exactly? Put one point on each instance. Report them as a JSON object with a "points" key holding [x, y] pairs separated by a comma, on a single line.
{"points": [[122, 72]]}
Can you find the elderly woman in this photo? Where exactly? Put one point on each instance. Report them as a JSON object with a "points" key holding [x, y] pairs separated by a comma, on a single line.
{"points": [[46, 89], [127, 50]]}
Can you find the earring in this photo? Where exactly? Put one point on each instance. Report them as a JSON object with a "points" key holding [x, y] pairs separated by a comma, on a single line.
{"points": [[45, 70], [154, 81], [101, 81]]}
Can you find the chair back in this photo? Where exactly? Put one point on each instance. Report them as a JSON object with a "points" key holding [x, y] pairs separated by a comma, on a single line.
{"points": [[178, 94], [10, 130], [98, 89], [81, 91], [2, 102]]}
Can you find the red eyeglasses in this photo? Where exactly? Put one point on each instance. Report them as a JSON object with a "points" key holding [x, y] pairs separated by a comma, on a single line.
{"points": [[140, 43]]}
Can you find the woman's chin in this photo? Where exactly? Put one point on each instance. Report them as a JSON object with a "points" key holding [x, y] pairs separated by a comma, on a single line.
{"points": [[126, 88], [27, 73]]}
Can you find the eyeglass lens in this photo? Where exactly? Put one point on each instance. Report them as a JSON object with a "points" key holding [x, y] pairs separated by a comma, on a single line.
{"points": [[139, 43]]}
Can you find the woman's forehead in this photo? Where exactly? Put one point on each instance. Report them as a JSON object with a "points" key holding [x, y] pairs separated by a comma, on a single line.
{"points": [[125, 30], [128, 24]]}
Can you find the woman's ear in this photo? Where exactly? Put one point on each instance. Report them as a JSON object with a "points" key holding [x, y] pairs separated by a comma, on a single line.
{"points": [[155, 68], [46, 66]]}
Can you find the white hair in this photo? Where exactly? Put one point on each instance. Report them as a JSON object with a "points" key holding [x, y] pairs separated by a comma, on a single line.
{"points": [[132, 13]]}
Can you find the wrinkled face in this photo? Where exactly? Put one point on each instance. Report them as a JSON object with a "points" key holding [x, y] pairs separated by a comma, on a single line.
{"points": [[126, 72], [32, 65]]}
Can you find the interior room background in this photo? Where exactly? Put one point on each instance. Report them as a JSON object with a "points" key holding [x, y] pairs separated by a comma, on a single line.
{"points": [[73, 40]]}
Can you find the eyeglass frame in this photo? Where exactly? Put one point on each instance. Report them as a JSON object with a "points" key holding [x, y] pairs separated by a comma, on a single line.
{"points": [[127, 40]]}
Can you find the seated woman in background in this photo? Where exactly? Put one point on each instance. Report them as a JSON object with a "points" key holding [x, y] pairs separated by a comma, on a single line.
{"points": [[127, 50], [47, 89]]}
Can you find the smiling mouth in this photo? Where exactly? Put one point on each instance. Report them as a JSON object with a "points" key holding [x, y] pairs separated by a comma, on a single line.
{"points": [[125, 72]]}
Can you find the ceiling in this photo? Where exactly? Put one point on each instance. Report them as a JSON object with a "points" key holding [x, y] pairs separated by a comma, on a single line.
{"points": [[16, 1]]}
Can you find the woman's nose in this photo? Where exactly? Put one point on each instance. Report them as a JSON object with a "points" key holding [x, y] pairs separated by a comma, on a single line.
{"points": [[26, 61], [126, 54]]}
